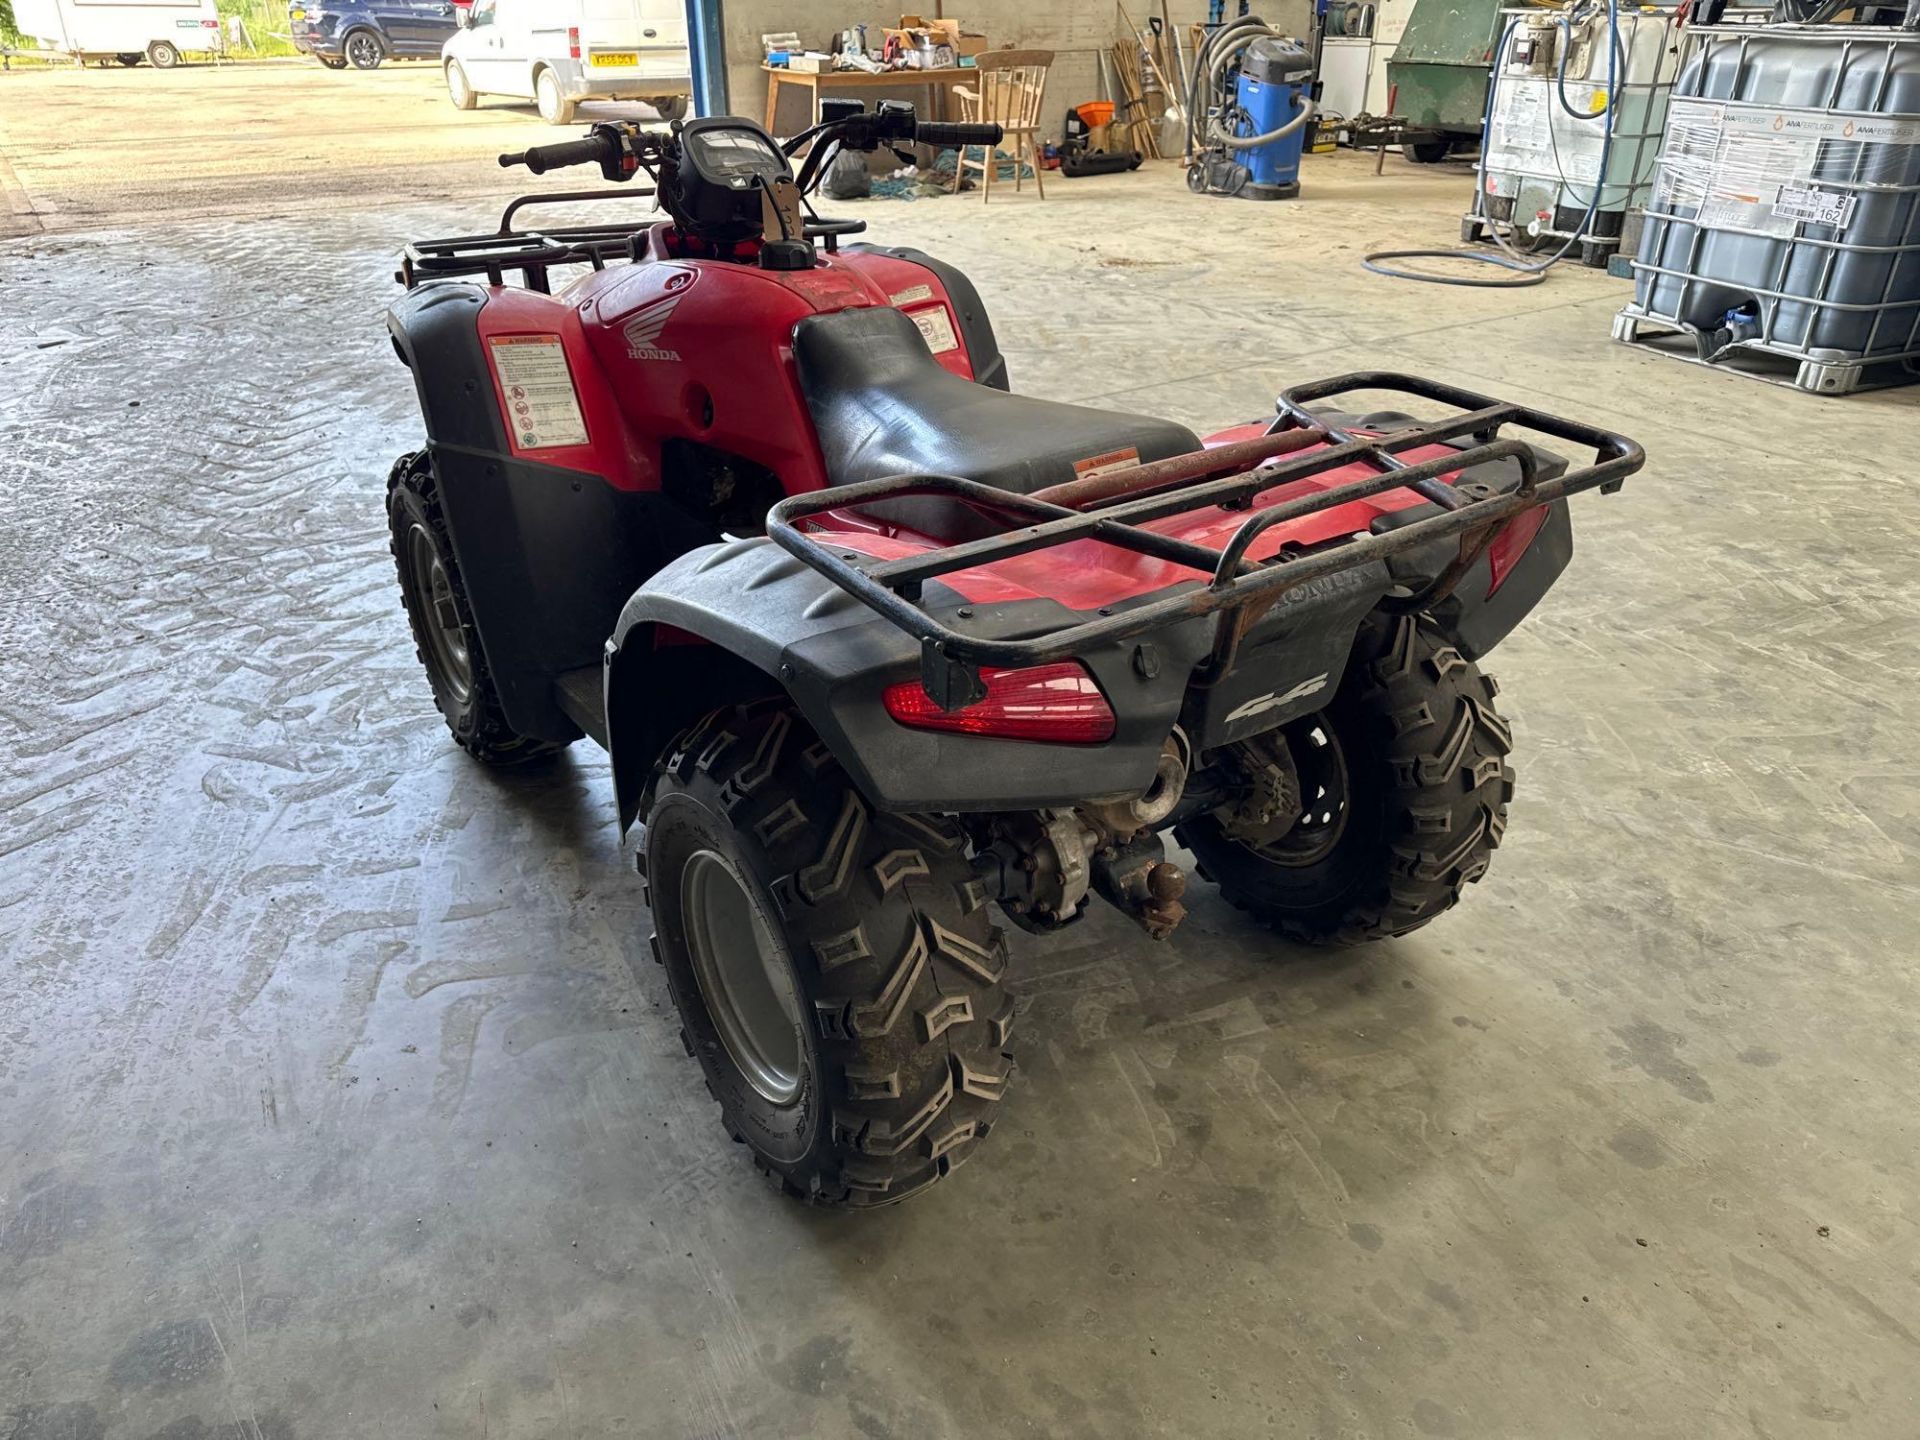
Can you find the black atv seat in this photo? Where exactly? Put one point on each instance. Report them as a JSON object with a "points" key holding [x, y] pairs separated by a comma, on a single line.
{"points": [[882, 405]]}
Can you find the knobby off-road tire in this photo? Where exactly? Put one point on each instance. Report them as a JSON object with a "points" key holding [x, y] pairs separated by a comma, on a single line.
{"points": [[898, 1021], [1427, 787], [446, 641]]}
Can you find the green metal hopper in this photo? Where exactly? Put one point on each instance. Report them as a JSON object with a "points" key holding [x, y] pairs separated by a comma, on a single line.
{"points": [[1438, 73]]}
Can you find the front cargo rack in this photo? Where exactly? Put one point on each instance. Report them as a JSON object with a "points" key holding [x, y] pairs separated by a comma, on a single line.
{"points": [[532, 253], [1114, 509]]}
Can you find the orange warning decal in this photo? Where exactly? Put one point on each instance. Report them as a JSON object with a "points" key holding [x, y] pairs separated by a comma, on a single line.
{"points": [[1104, 464]]}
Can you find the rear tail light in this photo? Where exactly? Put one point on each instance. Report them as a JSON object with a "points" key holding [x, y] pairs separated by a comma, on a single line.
{"points": [[1510, 544], [573, 42], [1059, 703]]}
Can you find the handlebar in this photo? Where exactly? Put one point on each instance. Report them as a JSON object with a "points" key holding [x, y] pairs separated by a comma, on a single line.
{"points": [[596, 149], [942, 134]]}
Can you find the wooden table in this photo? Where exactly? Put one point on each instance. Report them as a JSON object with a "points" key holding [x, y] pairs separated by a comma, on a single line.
{"points": [[934, 82]]}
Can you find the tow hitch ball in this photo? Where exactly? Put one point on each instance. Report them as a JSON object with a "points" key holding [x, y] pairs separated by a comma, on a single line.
{"points": [[1042, 879], [1144, 884], [1042, 865]]}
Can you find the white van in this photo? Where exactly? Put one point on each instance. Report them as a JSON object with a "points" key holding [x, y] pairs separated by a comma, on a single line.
{"points": [[115, 30], [560, 52]]}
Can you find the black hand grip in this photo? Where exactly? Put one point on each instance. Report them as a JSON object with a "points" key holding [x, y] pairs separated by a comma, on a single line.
{"points": [[939, 132], [542, 158]]}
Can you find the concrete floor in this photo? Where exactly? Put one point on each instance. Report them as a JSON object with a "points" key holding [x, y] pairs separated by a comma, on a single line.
{"points": [[336, 1100]]}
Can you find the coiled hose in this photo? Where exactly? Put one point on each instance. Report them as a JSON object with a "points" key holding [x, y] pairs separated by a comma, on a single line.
{"points": [[1527, 272]]}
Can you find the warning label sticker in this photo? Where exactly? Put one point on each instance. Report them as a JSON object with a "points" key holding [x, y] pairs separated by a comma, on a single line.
{"points": [[1103, 464], [543, 409], [936, 328], [911, 296]]}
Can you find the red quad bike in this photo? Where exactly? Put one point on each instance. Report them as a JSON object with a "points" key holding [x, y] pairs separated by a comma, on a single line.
{"points": [[877, 646]]}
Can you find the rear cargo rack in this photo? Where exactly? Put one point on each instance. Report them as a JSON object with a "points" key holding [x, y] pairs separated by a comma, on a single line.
{"points": [[1238, 591]]}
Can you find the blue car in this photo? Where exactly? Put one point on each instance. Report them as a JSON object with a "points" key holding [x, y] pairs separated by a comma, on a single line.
{"points": [[362, 33]]}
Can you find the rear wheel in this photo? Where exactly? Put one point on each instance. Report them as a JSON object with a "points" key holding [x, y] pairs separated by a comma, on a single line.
{"points": [[162, 56], [1403, 791], [835, 969], [458, 89], [445, 638], [364, 50], [554, 107]]}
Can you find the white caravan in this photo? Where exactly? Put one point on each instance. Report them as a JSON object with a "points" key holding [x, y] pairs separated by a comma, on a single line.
{"points": [[124, 30]]}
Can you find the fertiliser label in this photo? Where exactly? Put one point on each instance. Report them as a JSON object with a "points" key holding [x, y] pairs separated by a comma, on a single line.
{"points": [[1532, 134], [543, 409], [1760, 169], [1813, 124]]}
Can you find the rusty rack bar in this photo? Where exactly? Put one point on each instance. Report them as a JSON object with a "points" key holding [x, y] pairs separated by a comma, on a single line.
{"points": [[950, 661]]}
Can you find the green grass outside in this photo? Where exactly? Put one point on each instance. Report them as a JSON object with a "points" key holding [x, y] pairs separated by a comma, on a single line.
{"points": [[266, 22]]}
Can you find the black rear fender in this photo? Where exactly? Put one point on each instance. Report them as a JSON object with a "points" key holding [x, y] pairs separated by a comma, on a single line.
{"points": [[770, 621], [1290, 661]]}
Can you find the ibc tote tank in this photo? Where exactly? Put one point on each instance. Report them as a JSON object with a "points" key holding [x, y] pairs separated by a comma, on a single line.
{"points": [[1785, 217]]}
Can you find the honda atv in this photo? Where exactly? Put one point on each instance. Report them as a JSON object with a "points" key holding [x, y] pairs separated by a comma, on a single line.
{"points": [[877, 646]]}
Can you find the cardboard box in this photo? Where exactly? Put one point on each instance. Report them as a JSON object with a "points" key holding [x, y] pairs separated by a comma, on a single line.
{"points": [[934, 44], [944, 32]]}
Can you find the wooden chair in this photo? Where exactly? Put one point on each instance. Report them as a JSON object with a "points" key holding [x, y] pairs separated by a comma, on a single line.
{"points": [[1013, 87]]}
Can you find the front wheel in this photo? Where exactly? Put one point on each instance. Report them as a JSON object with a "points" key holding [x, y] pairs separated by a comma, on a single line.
{"points": [[1429, 152], [446, 639], [459, 90], [364, 50], [1402, 790], [130, 59], [668, 107], [331, 63], [834, 967], [554, 107], [162, 56]]}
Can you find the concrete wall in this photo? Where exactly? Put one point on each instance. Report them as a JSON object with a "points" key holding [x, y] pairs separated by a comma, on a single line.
{"points": [[1076, 30]]}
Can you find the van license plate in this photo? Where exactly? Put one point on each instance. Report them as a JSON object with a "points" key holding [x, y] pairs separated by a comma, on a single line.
{"points": [[613, 60]]}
